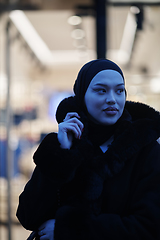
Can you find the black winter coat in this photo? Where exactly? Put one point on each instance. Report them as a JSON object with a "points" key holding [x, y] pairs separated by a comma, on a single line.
{"points": [[94, 195]]}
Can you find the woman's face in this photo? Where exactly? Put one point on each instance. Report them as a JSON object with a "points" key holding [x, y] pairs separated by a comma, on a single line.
{"points": [[105, 97]]}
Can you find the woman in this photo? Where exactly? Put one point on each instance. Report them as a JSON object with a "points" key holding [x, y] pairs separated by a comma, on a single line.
{"points": [[99, 176]]}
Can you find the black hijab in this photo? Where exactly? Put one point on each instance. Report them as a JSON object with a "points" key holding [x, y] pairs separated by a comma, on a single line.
{"points": [[97, 133], [87, 73]]}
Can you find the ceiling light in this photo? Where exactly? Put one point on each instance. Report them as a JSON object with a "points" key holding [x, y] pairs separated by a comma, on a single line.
{"points": [[78, 34], [135, 10], [155, 85], [74, 20], [127, 39], [32, 38]]}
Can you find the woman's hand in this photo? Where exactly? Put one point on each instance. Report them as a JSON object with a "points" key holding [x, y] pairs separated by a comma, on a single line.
{"points": [[71, 126], [46, 230]]}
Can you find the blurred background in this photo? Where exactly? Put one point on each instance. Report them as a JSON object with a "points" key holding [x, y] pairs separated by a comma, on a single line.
{"points": [[43, 44]]}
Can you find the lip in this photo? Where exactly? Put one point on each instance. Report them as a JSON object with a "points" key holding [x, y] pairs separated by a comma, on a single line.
{"points": [[111, 111]]}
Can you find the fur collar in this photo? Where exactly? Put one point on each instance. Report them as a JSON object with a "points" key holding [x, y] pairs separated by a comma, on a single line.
{"points": [[140, 127]]}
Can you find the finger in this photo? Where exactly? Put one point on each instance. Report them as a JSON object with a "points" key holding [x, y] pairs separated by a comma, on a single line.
{"points": [[77, 121], [73, 127], [71, 115], [41, 227], [76, 131], [41, 233], [64, 126], [44, 237]]}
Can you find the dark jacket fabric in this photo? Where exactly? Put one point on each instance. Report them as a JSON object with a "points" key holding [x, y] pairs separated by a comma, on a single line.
{"points": [[96, 195]]}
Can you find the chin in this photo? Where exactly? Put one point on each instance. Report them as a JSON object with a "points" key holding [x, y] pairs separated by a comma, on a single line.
{"points": [[109, 122]]}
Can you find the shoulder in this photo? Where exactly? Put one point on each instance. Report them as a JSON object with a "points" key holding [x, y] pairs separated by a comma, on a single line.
{"points": [[153, 151], [50, 136], [149, 160], [48, 140]]}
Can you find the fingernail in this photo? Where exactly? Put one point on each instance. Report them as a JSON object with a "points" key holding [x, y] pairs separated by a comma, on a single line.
{"points": [[80, 137]]}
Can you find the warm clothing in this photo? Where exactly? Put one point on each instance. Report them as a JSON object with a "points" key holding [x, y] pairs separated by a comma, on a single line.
{"points": [[95, 195]]}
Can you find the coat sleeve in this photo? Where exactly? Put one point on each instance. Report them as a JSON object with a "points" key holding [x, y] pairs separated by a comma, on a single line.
{"points": [[38, 202], [54, 167], [55, 162], [142, 220]]}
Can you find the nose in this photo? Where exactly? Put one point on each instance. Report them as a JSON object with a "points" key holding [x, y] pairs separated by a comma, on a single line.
{"points": [[110, 98]]}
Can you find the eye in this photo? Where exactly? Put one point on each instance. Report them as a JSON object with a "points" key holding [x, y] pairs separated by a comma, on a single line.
{"points": [[121, 90], [100, 90]]}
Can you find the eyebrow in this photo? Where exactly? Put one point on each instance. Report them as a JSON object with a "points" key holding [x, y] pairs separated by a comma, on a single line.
{"points": [[102, 84]]}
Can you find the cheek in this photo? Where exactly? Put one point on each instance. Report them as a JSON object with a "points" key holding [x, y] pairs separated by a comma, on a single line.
{"points": [[121, 99], [122, 103], [92, 106], [94, 103], [89, 101]]}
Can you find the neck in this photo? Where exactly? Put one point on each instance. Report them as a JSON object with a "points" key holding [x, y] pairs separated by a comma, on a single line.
{"points": [[105, 145], [98, 133]]}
